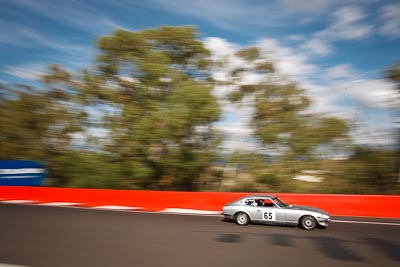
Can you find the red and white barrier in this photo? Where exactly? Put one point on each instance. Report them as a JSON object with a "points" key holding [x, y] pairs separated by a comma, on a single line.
{"points": [[380, 206]]}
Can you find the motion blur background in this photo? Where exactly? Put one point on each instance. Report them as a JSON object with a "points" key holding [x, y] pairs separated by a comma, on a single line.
{"points": [[271, 96]]}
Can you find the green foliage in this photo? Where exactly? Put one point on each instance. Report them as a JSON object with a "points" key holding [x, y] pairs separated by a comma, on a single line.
{"points": [[235, 96], [280, 118], [246, 187], [265, 66], [369, 172], [36, 124], [393, 73], [237, 71], [162, 132], [250, 53], [268, 178], [248, 88], [87, 170]]}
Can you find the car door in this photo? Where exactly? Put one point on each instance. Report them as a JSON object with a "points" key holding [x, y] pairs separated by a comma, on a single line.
{"points": [[271, 213], [253, 210]]}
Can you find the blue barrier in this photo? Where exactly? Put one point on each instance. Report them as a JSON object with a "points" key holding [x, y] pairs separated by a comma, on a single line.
{"points": [[21, 173]]}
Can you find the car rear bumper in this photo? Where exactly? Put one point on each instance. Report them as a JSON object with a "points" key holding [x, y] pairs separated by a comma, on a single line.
{"points": [[228, 216]]}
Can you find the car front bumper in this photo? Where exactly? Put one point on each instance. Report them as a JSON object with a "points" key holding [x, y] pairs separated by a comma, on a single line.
{"points": [[324, 221]]}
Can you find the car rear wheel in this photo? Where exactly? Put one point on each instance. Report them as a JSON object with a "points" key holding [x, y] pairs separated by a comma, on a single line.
{"points": [[242, 218], [308, 223]]}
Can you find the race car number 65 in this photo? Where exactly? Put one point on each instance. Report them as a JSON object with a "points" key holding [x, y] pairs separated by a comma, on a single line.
{"points": [[269, 216]]}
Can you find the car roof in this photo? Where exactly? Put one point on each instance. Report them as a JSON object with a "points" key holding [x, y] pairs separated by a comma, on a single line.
{"points": [[260, 196]]}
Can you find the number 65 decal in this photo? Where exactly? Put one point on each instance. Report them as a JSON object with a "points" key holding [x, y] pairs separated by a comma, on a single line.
{"points": [[269, 216]]}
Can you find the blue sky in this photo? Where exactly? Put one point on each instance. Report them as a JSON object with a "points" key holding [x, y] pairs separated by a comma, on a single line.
{"points": [[335, 49]]}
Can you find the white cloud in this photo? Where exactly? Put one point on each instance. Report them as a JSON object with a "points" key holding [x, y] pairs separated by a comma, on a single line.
{"points": [[324, 98], [220, 48], [348, 15], [342, 72], [348, 24], [220, 76], [363, 103], [98, 132], [251, 78], [390, 18], [222, 91], [27, 72], [286, 60], [235, 129], [345, 93], [236, 117], [225, 52], [317, 47], [373, 93], [347, 98], [239, 144], [295, 37], [380, 135], [237, 114]]}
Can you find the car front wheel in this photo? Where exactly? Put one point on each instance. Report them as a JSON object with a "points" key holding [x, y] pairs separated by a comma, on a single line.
{"points": [[242, 218], [308, 223]]}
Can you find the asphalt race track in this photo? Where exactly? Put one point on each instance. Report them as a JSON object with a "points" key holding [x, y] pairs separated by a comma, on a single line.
{"points": [[38, 236]]}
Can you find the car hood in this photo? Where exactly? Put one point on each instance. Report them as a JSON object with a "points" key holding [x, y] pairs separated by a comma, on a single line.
{"points": [[306, 208]]}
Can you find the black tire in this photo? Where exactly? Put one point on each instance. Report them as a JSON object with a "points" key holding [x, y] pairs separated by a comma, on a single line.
{"points": [[308, 222], [242, 218]]}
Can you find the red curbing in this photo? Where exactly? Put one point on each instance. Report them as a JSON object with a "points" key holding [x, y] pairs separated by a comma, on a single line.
{"points": [[380, 206]]}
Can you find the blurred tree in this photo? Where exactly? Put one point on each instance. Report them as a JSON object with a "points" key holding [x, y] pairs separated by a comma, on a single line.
{"points": [[153, 88], [368, 171], [37, 124], [281, 119], [392, 73], [24, 119]]}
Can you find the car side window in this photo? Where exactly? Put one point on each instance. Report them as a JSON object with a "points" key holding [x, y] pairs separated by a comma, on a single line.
{"points": [[250, 202], [268, 203]]}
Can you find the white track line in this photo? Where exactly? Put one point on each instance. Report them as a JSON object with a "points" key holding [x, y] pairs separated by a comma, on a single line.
{"points": [[11, 265], [364, 222], [57, 204], [190, 211], [18, 201], [111, 207]]}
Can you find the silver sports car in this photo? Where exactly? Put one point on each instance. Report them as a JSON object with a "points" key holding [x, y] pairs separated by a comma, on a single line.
{"points": [[267, 209]]}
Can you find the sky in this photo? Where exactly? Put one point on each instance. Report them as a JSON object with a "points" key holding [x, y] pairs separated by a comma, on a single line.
{"points": [[335, 50]]}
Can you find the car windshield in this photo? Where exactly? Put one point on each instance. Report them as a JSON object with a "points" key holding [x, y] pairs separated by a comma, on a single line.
{"points": [[280, 203]]}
